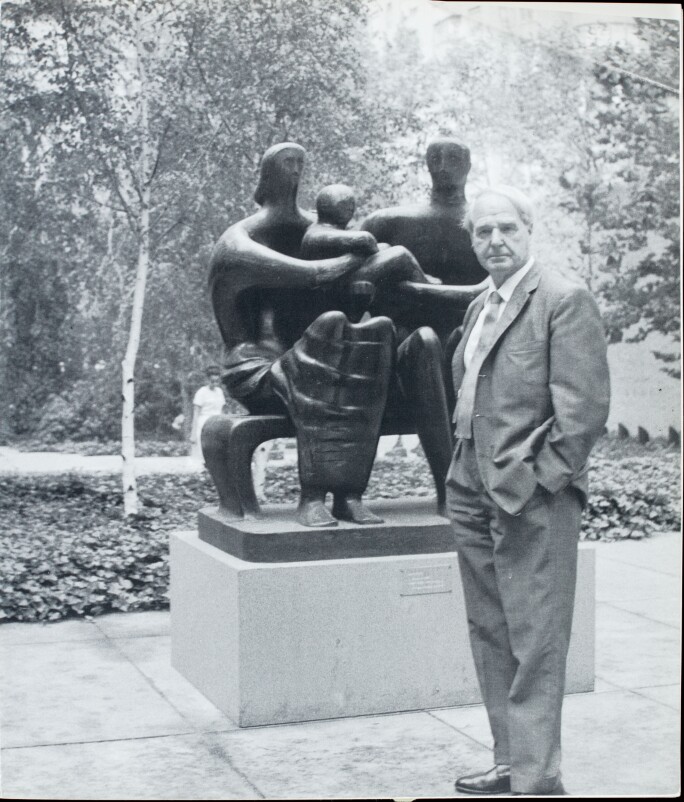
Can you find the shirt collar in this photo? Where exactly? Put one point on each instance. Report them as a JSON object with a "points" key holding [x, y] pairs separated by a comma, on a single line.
{"points": [[506, 289]]}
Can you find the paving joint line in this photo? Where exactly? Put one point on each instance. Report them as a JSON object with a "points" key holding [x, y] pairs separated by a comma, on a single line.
{"points": [[639, 566], [153, 685], [49, 642], [180, 734], [616, 606], [656, 701], [141, 635], [628, 688], [456, 729], [218, 750]]}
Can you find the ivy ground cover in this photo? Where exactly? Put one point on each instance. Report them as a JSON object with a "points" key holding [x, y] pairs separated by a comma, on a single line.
{"points": [[67, 550]]}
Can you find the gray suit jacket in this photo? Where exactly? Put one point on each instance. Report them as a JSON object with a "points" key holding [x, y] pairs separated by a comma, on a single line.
{"points": [[543, 391]]}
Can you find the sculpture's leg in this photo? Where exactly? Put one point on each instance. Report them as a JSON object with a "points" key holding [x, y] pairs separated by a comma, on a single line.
{"points": [[334, 383], [227, 445], [218, 445], [419, 365], [349, 507], [312, 510]]}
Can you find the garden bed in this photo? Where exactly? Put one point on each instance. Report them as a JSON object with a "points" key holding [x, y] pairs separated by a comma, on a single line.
{"points": [[67, 549]]}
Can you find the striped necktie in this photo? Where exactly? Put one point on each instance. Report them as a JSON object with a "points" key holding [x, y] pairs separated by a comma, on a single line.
{"points": [[466, 395]]}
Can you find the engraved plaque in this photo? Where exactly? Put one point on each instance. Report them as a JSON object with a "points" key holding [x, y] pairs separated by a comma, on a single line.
{"points": [[432, 579]]}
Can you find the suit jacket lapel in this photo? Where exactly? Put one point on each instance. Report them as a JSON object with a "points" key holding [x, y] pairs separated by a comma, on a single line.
{"points": [[515, 306]]}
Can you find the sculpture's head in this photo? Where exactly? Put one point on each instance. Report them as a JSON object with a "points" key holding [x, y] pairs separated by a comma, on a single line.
{"points": [[448, 162], [335, 205], [279, 173]]}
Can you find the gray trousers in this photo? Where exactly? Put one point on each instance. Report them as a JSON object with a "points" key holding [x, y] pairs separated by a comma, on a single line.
{"points": [[518, 575]]}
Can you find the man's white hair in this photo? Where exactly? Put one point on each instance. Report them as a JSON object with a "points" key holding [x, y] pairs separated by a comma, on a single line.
{"points": [[520, 201]]}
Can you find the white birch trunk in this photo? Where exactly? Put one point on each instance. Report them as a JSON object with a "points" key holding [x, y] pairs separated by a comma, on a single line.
{"points": [[130, 492]]}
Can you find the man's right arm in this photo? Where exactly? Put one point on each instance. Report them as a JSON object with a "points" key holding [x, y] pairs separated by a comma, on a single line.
{"points": [[579, 385]]}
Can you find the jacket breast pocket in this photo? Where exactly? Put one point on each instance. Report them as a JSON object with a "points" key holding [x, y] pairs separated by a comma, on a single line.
{"points": [[528, 361]]}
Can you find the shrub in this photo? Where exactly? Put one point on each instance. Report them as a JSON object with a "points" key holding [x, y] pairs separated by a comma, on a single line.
{"points": [[67, 550], [87, 409]]}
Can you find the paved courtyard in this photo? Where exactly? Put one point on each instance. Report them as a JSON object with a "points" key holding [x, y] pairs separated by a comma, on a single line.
{"points": [[93, 709]]}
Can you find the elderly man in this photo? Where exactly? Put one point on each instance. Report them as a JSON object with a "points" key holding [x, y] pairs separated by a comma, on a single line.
{"points": [[533, 390]]}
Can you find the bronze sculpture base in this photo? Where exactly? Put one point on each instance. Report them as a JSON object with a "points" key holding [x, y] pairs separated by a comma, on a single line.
{"points": [[410, 526]]}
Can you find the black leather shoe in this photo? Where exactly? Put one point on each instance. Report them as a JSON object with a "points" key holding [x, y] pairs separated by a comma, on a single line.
{"points": [[495, 781]]}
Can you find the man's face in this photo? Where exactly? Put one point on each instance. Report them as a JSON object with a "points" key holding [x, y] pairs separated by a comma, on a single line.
{"points": [[213, 379], [448, 165], [501, 240]]}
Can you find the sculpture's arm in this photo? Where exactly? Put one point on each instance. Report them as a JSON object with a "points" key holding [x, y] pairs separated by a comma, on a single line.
{"points": [[256, 265], [337, 242], [378, 224], [460, 295], [391, 266]]}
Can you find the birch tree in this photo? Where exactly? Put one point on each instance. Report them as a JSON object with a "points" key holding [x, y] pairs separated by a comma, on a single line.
{"points": [[120, 69], [165, 110]]}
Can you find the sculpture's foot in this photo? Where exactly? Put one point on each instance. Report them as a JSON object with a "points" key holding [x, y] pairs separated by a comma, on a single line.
{"points": [[314, 513], [350, 508]]}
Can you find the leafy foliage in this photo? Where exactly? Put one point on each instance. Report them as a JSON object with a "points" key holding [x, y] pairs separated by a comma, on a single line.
{"points": [[67, 549], [625, 187], [222, 81], [586, 122]]}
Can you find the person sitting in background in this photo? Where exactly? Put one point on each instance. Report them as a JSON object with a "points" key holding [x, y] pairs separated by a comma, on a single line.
{"points": [[209, 400]]}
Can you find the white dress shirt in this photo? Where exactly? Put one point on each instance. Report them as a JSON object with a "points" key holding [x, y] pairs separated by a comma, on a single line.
{"points": [[505, 291]]}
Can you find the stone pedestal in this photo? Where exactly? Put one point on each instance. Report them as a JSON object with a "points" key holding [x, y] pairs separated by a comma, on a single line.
{"points": [[272, 643]]}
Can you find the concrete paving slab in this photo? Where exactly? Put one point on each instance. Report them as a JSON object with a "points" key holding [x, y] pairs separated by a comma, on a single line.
{"points": [[603, 686], [78, 691], [172, 767], [75, 680], [618, 744], [54, 632], [617, 582], [670, 695], [661, 552], [633, 651], [407, 754], [471, 721], [152, 656], [135, 625], [663, 609], [597, 723]]}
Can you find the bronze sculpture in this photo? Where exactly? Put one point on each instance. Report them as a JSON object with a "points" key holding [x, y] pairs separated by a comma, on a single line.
{"points": [[334, 383], [290, 346], [433, 232], [266, 299]]}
